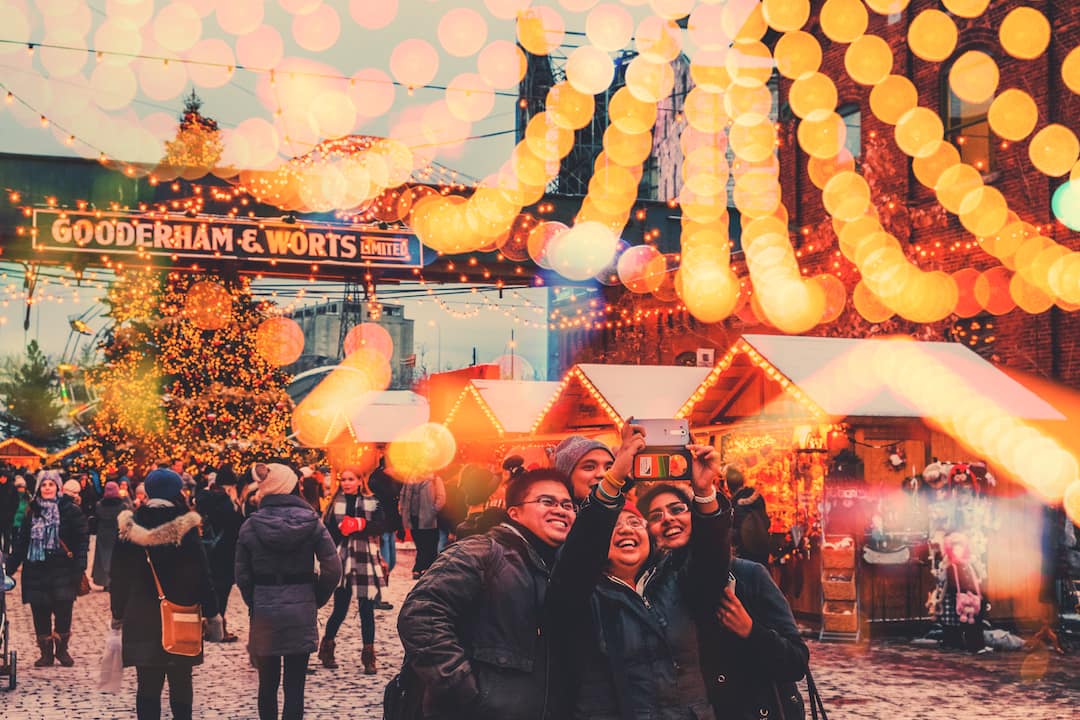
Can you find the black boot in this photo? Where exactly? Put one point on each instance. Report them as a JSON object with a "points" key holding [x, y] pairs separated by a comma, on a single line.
{"points": [[62, 655], [326, 653], [147, 708], [45, 645]]}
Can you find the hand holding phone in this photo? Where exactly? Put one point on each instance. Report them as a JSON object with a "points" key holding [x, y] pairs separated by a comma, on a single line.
{"points": [[633, 441], [665, 457]]}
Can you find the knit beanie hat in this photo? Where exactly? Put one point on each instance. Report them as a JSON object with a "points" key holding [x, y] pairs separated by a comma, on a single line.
{"points": [[20, 481], [163, 484], [570, 451], [275, 479], [72, 487], [112, 490]]}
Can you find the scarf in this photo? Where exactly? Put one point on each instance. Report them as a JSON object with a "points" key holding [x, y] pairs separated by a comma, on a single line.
{"points": [[359, 553], [44, 530]]}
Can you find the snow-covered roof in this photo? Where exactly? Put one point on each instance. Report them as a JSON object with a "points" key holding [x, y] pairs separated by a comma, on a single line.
{"points": [[832, 372], [644, 391], [381, 416], [515, 403]]}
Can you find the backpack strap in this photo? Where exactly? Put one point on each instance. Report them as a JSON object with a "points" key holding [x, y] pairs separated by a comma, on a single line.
{"points": [[816, 705]]}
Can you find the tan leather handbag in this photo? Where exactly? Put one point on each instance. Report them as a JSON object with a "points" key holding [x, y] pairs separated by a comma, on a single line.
{"points": [[181, 625]]}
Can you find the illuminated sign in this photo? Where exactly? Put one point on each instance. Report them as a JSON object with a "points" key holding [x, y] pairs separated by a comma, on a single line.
{"points": [[224, 238]]}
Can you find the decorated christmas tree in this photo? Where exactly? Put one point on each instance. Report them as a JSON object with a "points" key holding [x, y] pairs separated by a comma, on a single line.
{"points": [[182, 375], [197, 144]]}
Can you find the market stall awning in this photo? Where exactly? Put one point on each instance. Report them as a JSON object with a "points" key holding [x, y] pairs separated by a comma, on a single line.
{"points": [[497, 407], [841, 377], [595, 396], [382, 416]]}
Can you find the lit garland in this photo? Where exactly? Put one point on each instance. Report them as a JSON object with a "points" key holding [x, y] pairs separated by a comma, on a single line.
{"points": [[576, 374], [168, 387], [470, 391]]}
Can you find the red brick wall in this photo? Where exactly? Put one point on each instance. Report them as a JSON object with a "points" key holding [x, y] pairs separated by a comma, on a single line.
{"points": [[1047, 344]]}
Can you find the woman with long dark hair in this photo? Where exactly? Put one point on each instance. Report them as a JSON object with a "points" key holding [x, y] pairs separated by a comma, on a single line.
{"points": [[108, 510], [355, 520], [159, 542], [52, 547]]}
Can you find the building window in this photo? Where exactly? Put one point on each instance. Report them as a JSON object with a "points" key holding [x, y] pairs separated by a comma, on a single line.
{"points": [[852, 116], [333, 309], [967, 128]]}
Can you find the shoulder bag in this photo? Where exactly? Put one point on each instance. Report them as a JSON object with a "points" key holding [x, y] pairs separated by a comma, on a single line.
{"points": [[181, 625], [84, 582]]}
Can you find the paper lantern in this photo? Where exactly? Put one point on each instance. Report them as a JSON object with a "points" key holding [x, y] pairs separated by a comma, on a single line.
{"points": [[208, 305], [1013, 114], [967, 305], [369, 336], [843, 21], [462, 31], [749, 63], [868, 305], [1066, 204], [753, 139], [1070, 70], [590, 70], [160, 81], [583, 251], [624, 148], [966, 8], [974, 77], [219, 62], [747, 104], [797, 54], [785, 15], [918, 132], [414, 62], [1024, 33], [262, 47], [992, 291], [743, 21], [540, 239], [955, 184], [469, 98], [1054, 150], [114, 86], [609, 27], [633, 267], [1029, 297], [822, 137], [569, 108], [846, 196], [514, 367], [649, 81], [704, 111], [835, 295], [932, 35], [657, 39], [811, 93], [709, 71], [887, 7], [821, 170], [705, 27], [984, 211], [709, 291], [868, 60], [893, 97], [177, 27], [540, 29], [373, 14], [1004, 244], [928, 168], [280, 340], [501, 64]]}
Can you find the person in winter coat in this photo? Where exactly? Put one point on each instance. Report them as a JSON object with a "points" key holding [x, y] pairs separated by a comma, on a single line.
{"points": [[163, 532], [52, 547], [9, 503], [419, 506], [473, 627], [388, 491], [21, 502], [355, 520], [584, 461], [275, 557], [221, 520], [108, 509], [625, 619], [751, 651], [751, 524]]}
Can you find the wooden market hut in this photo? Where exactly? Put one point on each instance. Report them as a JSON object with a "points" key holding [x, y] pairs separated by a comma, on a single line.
{"points": [[594, 399], [21, 454], [489, 411], [819, 424]]}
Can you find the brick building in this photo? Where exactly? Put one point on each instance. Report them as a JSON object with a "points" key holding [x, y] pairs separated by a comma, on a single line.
{"points": [[637, 328]]}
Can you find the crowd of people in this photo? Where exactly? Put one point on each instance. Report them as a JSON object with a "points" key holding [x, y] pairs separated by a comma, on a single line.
{"points": [[553, 590]]}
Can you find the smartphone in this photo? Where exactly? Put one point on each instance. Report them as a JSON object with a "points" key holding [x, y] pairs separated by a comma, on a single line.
{"points": [[665, 456]]}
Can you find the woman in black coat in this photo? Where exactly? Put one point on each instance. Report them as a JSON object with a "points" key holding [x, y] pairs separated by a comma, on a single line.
{"points": [[108, 510], [164, 531], [220, 510], [275, 559], [52, 546]]}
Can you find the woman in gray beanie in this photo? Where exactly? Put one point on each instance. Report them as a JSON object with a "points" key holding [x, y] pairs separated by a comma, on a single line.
{"points": [[585, 461]]}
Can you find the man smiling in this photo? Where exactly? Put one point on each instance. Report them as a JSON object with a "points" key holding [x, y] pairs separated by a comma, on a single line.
{"points": [[472, 626]]}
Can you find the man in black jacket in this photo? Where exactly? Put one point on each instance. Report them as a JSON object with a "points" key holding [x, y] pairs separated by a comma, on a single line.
{"points": [[472, 626], [388, 491]]}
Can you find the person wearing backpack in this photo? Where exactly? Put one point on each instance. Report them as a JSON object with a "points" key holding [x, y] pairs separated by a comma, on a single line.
{"points": [[220, 511], [751, 523]]}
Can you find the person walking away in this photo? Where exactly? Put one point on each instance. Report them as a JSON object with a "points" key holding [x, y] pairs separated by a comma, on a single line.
{"points": [[472, 625], [751, 521], [355, 520], [161, 537], [52, 547], [219, 508], [388, 490], [419, 506], [751, 651], [275, 559], [108, 509], [311, 488], [9, 504], [478, 484]]}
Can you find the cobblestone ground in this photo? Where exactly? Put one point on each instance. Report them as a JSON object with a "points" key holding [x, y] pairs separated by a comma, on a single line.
{"points": [[895, 681]]}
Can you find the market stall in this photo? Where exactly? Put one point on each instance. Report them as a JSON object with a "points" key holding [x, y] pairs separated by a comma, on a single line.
{"points": [[829, 434], [490, 415], [20, 454]]}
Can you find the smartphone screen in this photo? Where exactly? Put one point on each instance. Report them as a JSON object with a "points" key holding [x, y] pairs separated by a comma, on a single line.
{"points": [[665, 456]]}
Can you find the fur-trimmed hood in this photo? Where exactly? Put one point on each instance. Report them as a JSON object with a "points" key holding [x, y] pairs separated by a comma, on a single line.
{"points": [[171, 532]]}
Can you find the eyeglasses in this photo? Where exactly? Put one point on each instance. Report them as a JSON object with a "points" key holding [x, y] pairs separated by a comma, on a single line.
{"points": [[549, 503], [674, 510], [633, 522]]}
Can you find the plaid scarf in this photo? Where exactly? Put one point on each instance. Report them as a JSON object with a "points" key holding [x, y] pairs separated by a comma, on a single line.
{"points": [[360, 553], [44, 530]]}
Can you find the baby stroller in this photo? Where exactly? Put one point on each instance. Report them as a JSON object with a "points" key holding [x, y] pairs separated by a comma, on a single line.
{"points": [[7, 655]]}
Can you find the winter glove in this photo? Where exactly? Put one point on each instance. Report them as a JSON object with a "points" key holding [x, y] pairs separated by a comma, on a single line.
{"points": [[116, 624], [215, 631], [350, 525]]}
